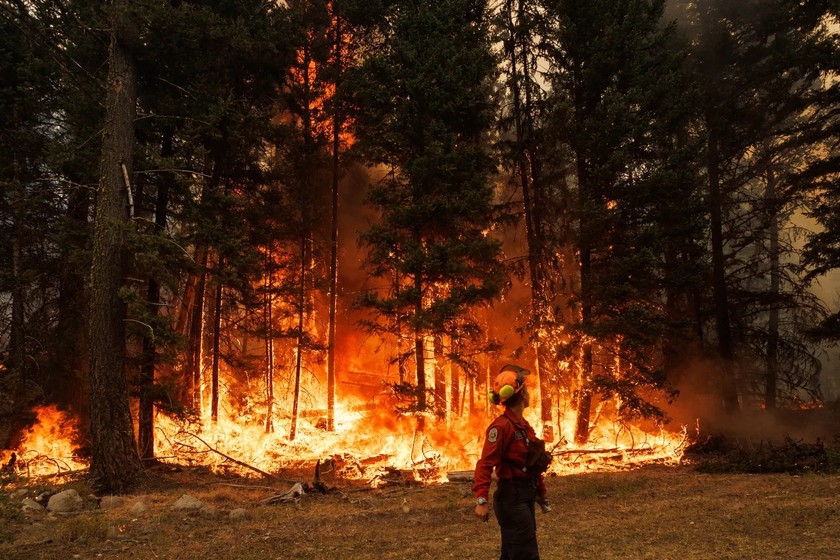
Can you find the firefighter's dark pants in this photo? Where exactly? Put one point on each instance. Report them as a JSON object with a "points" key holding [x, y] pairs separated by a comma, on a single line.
{"points": [[513, 504]]}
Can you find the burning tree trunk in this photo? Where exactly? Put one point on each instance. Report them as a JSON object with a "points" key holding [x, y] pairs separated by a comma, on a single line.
{"points": [[115, 464]]}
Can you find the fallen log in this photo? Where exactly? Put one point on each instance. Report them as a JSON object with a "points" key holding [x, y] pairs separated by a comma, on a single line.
{"points": [[460, 476]]}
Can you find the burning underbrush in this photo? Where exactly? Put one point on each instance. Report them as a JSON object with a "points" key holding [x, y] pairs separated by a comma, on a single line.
{"points": [[370, 445]]}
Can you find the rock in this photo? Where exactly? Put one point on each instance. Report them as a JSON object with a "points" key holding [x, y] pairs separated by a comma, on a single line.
{"points": [[209, 512], [111, 502], [139, 508], [187, 503], [31, 505], [239, 514], [66, 501], [19, 494]]}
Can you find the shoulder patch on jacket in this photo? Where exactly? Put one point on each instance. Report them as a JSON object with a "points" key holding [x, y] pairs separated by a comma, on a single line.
{"points": [[493, 435]]}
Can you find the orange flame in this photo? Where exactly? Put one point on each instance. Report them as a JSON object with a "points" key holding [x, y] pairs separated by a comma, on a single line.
{"points": [[49, 446]]}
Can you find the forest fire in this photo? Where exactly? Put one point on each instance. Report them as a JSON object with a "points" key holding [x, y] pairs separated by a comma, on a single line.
{"points": [[49, 446], [370, 444]]}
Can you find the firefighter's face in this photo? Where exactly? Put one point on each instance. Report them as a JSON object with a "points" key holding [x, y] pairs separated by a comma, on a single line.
{"points": [[525, 396]]}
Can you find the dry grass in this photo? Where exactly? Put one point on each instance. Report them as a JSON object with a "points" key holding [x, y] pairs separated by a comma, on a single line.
{"points": [[652, 513]]}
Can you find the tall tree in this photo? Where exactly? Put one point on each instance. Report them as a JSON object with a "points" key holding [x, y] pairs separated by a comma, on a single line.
{"points": [[758, 62], [517, 22], [617, 103], [426, 91], [115, 464]]}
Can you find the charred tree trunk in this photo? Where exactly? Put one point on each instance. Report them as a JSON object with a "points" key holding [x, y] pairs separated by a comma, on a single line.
{"points": [[17, 331], [115, 464], [584, 395], [772, 376], [333, 272], [527, 168], [728, 389], [196, 335], [217, 333], [269, 346], [300, 337], [440, 378], [71, 358], [146, 411]]}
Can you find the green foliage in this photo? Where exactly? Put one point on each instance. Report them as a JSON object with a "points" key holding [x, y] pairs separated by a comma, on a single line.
{"points": [[621, 103], [424, 110]]}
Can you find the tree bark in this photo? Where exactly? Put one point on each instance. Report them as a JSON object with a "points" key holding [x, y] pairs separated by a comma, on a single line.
{"points": [[217, 333], [115, 464], [146, 409], [728, 389], [333, 272], [300, 338], [269, 346], [772, 376], [528, 171]]}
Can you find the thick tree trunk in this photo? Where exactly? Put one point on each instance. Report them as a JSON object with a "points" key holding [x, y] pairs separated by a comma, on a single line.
{"points": [[115, 463]]}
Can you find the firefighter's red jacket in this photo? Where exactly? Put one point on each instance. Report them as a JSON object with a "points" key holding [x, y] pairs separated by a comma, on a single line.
{"points": [[505, 450]]}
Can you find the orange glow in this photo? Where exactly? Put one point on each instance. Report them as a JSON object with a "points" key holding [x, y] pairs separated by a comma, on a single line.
{"points": [[370, 443], [49, 446]]}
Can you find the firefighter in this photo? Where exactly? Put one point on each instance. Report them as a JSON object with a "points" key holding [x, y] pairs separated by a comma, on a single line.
{"points": [[506, 449]]}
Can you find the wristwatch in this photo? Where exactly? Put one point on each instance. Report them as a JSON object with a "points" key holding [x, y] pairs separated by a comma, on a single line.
{"points": [[481, 501]]}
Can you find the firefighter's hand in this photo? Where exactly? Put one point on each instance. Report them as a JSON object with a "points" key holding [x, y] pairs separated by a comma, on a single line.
{"points": [[544, 505], [482, 511]]}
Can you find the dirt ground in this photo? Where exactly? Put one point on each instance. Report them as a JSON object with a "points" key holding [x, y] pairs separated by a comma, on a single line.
{"points": [[657, 513]]}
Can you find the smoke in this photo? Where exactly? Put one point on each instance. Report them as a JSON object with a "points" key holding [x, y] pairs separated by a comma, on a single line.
{"points": [[699, 408]]}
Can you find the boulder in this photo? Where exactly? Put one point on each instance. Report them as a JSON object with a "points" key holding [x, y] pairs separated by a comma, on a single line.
{"points": [[65, 502], [187, 503]]}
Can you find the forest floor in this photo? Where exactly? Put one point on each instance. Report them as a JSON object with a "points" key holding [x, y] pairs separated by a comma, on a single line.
{"points": [[655, 512]]}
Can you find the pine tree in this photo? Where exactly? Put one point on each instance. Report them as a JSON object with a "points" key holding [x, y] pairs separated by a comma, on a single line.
{"points": [[758, 63], [618, 106], [426, 95]]}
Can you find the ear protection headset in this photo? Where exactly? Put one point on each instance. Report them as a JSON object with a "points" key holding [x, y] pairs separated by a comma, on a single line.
{"points": [[510, 381]]}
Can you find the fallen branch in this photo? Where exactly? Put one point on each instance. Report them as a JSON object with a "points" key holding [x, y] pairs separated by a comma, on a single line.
{"points": [[587, 451], [229, 458]]}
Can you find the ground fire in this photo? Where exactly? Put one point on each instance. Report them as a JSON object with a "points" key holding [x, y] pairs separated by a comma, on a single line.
{"points": [[371, 443]]}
